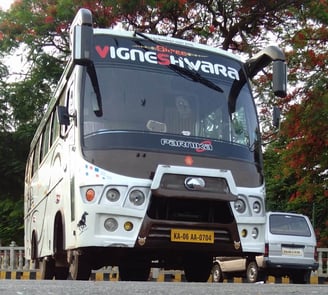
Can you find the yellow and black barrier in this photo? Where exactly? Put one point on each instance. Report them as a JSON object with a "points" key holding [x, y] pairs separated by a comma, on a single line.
{"points": [[158, 276]]}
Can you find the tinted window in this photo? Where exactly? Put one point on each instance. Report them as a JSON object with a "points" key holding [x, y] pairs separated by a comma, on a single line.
{"points": [[289, 225]]}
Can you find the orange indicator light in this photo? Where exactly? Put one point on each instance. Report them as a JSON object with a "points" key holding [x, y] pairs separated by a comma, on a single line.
{"points": [[90, 195], [189, 160]]}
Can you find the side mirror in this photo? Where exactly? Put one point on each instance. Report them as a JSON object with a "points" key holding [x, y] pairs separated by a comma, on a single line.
{"points": [[63, 116], [279, 79], [81, 37]]}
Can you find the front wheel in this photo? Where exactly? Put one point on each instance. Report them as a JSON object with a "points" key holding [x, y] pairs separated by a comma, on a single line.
{"points": [[134, 269], [197, 268], [252, 272], [80, 267]]}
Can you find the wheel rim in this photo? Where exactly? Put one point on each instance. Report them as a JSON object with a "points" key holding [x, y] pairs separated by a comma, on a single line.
{"points": [[252, 272], [216, 274]]}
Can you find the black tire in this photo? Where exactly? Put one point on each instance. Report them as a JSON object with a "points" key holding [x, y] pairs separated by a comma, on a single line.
{"points": [[252, 272], [47, 268], [134, 271], [262, 276], [61, 273], [217, 275], [197, 269], [301, 276], [80, 268]]}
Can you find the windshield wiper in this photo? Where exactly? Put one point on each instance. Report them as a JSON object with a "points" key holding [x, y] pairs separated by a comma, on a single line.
{"points": [[194, 76], [183, 72]]}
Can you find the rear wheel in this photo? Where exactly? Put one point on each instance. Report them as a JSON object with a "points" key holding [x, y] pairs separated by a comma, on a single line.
{"points": [[217, 275], [301, 276], [252, 272], [197, 268], [61, 273], [47, 268], [80, 268]]}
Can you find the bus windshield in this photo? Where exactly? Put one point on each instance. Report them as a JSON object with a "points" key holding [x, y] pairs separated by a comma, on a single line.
{"points": [[160, 99]]}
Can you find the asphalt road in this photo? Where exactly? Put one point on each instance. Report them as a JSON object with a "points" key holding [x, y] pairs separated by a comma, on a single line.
{"points": [[37, 287]]}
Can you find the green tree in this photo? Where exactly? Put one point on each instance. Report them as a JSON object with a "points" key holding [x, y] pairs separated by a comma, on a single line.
{"points": [[303, 158]]}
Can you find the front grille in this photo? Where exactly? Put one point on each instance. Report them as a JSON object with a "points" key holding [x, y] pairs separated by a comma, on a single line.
{"points": [[190, 210], [176, 183]]}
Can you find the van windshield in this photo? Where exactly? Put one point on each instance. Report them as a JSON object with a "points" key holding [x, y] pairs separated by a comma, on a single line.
{"points": [[289, 225]]}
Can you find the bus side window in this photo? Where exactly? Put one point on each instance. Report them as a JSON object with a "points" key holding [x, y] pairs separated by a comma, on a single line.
{"points": [[54, 127], [35, 165], [28, 177], [45, 140]]}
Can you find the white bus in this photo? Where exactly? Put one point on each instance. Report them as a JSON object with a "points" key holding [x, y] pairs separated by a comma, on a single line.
{"points": [[149, 155]]}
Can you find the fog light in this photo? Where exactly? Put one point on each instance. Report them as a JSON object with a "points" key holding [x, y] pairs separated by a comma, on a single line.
{"points": [[137, 197], [90, 195], [255, 233], [128, 226], [112, 195], [256, 207], [111, 224], [244, 233]]}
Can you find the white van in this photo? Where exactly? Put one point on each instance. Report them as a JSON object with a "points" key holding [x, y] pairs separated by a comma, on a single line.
{"points": [[290, 250]]}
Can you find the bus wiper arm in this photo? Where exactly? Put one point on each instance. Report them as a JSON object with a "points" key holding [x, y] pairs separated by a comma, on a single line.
{"points": [[195, 76], [94, 81]]}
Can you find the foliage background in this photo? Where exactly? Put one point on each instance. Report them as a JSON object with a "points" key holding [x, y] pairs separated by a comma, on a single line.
{"points": [[296, 157]]}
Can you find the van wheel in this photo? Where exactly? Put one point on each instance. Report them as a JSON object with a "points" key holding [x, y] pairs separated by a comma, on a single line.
{"points": [[252, 272], [217, 275]]}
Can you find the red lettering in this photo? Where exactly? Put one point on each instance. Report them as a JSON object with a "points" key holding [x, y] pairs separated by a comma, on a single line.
{"points": [[163, 59], [102, 51]]}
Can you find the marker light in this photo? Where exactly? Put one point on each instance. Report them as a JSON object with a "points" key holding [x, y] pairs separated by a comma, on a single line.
{"points": [[90, 195]]}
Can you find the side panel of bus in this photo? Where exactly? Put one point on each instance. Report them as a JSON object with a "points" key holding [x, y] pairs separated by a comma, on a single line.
{"points": [[47, 186]]}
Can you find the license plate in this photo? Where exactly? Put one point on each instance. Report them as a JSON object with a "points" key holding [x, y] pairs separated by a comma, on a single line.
{"points": [[192, 236], [292, 251]]}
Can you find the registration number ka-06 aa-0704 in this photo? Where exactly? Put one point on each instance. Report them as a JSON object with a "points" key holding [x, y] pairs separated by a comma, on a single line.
{"points": [[192, 236]]}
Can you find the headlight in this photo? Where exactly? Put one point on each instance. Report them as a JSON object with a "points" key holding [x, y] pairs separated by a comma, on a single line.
{"points": [[112, 195], [256, 207], [240, 206], [137, 197]]}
